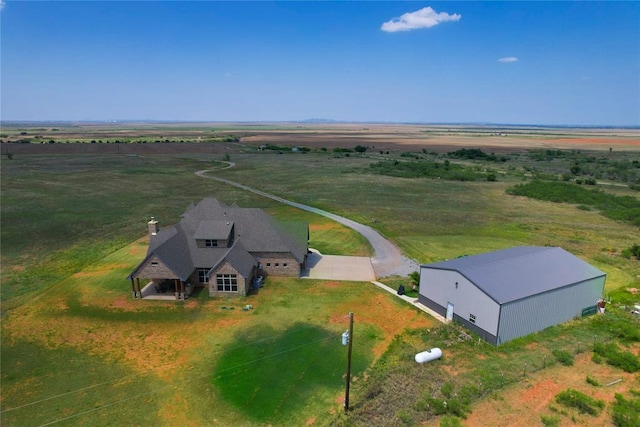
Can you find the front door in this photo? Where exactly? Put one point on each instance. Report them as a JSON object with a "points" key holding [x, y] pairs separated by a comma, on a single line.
{"points": [[449, 312]]}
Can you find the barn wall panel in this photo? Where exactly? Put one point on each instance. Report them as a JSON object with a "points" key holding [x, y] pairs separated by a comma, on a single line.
{"points": [[538, 312], [439, 286]]}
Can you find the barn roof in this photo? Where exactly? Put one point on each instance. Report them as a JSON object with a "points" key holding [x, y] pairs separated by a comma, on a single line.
{"points": [[512, 274]]}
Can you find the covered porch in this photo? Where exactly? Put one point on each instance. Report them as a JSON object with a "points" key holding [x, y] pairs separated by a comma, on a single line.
{"points": [[161, 289]]}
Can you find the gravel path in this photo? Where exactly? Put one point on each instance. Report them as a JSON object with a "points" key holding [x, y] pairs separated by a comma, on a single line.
{"points": [[387, 261]]}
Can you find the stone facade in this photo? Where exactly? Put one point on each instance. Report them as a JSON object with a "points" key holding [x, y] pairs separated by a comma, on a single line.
{"points": [[153, 268], [230, 273], [278, 264]]}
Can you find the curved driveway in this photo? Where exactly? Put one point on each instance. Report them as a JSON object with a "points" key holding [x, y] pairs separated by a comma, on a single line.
{"points": [[387, 261]]}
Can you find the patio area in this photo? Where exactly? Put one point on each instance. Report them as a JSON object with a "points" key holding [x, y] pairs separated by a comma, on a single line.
{"points": [[165, 290]]}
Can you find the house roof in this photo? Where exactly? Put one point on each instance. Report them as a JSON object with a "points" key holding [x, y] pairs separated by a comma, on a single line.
{"points": [[512, 274], [239, 258], [210, 229], [253, 228]]}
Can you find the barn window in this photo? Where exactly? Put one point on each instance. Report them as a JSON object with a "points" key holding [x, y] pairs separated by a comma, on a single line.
{"points": [[211, 243], [472, 318], [227, 282]]}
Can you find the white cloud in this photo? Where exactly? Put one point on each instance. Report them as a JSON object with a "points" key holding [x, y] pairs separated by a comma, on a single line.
{"points": [[508, 59], [423, 18]]}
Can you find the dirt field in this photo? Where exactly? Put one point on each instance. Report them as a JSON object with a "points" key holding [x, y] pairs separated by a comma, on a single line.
{"points": [[395, 138], [526, 402]]}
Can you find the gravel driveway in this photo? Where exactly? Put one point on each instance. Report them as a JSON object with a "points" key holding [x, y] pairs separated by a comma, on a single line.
{"points": [[387, 259]]}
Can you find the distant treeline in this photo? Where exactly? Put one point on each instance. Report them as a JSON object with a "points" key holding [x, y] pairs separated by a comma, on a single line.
{"points": [[39, 140], [620, 208]]}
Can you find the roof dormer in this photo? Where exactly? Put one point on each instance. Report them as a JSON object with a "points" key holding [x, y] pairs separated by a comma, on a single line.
{"points": [[214, 234]]}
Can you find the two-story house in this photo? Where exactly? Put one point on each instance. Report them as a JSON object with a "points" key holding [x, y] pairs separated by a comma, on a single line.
{"points": [[224, 248]]}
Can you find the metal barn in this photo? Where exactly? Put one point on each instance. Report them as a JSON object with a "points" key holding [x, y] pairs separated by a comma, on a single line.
{"points": [[513, 292]]}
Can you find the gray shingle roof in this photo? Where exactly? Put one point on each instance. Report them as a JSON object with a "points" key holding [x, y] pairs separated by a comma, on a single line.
{"points": [[209, 229], [239, 258], [254, 229], [516, 273]]}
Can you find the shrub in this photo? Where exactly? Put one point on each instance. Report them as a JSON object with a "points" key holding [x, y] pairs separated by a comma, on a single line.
{"points": [[550, 421], [450, 421], [619, 208], [563, 356], [360, 149], [583, 403], [446, 390], [404, 416], [415, 279], [620, 327], [626, 412], [633, 251], [624, 360], [592, 381]]}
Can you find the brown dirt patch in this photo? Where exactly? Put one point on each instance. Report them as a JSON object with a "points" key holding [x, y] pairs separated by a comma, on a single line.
{"points": [[525, 402], [385, 315]]}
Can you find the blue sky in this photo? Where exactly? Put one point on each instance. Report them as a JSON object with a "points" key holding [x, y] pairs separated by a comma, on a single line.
{"points": [[562, 63]]}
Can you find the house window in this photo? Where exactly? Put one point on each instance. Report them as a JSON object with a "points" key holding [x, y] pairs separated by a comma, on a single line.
{"points": [[268, 264], [209, 243], [284, 264], [472, 318], [227, 282], [154, 263], [202, 275], [277, 264]]}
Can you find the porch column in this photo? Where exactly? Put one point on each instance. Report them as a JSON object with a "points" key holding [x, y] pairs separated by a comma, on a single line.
{"points": [[138, 282], [182, 289], [175, 285], [133, 289]]}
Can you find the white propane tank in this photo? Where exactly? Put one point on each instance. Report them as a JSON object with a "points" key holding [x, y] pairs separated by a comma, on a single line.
{"points": [[429, 355]]}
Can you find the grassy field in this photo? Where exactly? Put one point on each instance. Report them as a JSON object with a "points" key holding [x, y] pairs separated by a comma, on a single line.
{"points": [[77, 350], [82, 352]]}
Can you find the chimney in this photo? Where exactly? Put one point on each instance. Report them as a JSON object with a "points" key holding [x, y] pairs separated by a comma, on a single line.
{"points": [[153, 227]]}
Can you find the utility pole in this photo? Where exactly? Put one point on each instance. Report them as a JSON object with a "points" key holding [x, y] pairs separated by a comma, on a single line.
{"points": [[350, 343]]}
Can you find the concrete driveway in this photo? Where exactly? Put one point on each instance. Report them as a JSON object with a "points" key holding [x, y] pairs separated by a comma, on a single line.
{"points": [[335, 267]]}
